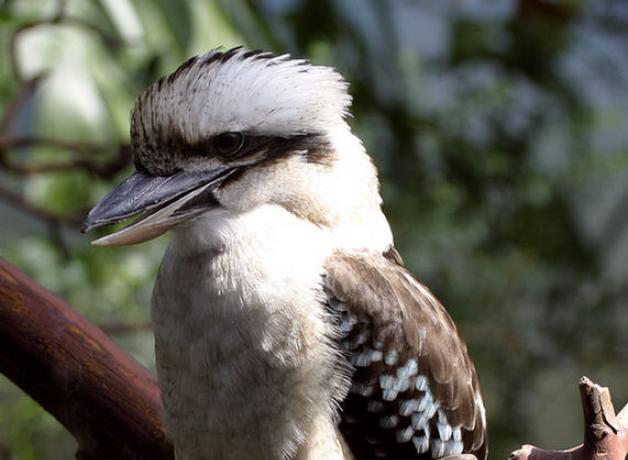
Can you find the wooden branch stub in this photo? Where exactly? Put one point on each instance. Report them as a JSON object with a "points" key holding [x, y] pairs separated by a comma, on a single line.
{"points": [[605, 434], [108, 401], [599, 414]]}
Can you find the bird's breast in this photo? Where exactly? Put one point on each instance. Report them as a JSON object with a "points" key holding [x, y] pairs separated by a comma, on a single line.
{"points": [[241, 338]]}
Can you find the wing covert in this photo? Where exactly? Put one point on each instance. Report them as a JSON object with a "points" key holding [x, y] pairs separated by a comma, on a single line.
{"points": [[414, 392]]}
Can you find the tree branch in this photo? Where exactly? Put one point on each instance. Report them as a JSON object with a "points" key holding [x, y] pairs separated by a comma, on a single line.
{"points": [[605, 434], [106, 400], [83, 158], [58, 16], [18, 201], [103, 169]]}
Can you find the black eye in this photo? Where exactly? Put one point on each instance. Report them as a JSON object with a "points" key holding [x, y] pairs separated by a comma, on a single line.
{"points": [[228, 143]]}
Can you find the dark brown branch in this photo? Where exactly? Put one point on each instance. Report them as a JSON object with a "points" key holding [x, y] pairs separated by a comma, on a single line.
{"points": [[102, 396], [605, 434]]}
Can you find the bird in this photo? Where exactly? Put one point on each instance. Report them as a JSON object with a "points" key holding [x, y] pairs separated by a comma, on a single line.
{"points": [[286, 323]]}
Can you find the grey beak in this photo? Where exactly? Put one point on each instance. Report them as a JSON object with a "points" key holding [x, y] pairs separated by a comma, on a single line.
{"points": [[142, 192]]}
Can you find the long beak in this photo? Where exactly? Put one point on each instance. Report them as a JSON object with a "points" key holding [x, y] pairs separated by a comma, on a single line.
{"points": [[168, 201]]}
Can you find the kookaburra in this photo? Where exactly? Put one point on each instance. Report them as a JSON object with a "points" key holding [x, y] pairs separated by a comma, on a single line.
{"points": [[286, 325]]}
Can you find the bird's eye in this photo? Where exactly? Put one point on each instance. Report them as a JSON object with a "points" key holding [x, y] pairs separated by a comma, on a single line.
{"points": [[228, 143]]}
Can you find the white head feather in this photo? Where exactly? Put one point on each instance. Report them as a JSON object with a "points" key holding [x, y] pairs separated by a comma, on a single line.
{"points": [[250, 91]]}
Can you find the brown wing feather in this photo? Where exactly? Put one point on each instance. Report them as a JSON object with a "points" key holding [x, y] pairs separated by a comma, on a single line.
{"points": [[414, 384]]}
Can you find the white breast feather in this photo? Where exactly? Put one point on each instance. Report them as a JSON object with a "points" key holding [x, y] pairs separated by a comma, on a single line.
{"points": [[241, 337]]}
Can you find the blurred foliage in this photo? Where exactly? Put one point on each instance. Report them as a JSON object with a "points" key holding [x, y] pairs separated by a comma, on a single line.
{"points": [[499, 129]]}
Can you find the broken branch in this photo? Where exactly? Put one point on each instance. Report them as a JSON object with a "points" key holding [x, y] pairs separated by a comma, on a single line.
{"points": [[605, 434]]}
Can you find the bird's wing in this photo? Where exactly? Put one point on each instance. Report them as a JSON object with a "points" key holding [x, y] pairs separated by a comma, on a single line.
{"points": [[414, 391]]}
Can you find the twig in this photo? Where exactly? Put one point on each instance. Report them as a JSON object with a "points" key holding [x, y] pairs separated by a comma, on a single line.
{"points": [[83, 152], [58, 16], [18, 201], [54, 17], [101, 169], [32, 141], [104, 170], [605, 434]]}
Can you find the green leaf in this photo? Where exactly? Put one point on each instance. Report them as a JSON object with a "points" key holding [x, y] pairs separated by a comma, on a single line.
{"points": [[178, 18]]}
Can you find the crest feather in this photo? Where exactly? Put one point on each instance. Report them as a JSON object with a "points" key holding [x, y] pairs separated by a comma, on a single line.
{"points": [[240, 90]]}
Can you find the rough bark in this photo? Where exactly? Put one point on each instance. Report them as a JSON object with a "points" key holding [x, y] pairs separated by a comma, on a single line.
{"points": [[108, 401], [605, 434]]}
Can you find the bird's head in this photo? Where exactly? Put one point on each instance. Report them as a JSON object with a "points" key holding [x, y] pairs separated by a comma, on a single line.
{"points": [[235, 130]]}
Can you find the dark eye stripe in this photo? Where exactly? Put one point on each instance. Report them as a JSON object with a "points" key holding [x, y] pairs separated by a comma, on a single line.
{"points": [[272, 147], [172, 151]]}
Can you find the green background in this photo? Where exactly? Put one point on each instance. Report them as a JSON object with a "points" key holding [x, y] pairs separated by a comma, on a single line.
{"points": [[500, 130]]}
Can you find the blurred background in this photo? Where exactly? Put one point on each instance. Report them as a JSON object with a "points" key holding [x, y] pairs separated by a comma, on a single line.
{"points": [[500, 129]]}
